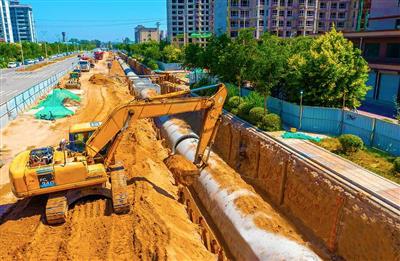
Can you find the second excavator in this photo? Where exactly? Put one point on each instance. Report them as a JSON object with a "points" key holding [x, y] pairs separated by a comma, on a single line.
{"points": [[85, 165]]}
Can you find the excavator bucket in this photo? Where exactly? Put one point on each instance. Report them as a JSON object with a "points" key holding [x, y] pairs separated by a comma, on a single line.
{"points": [[183, 170]]}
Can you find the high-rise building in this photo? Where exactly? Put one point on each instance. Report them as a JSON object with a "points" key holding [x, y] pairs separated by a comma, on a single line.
{"points": [[380, 46], [22, 21], [385, 15], [6, 33], [189, 21], [145, 34], [285, 18]]}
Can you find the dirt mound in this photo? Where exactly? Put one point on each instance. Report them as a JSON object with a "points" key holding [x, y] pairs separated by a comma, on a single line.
{"points": [[184, 171], [100, 79]]}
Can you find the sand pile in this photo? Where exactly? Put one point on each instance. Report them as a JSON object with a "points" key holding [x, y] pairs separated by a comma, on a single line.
{"points": [[100, 79], [183, 170]]}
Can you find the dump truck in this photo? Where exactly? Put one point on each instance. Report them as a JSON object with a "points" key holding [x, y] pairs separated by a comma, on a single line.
{"points": [[84, 65], [85, 165], [73, 81], [98, 55]]}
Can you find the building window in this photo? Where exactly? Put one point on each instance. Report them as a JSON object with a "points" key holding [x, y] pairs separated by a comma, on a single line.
{"points": [[274, 12], [281, 13], [321, 24], [342, 15], [333, 15], [289, 13], [288, 23], [311, 2], [262, 12], [275, 2], [393, 50], [301, 13], [333, 5], [234, 33], [397, 26], [342, 5], [289, 2], [322, 5], [309, 23], [340, 24], [273, 22], [288, 33], [310, 13], [321, 15], [371, 50], [280, 23], [301, 2], [301, 22]]}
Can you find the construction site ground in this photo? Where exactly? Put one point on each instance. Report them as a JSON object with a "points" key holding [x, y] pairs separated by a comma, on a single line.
{"points": [[157, 228]]}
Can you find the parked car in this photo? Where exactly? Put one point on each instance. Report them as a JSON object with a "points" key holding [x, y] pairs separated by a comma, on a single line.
{"points": [[12, 65], [36, 61], [41, 58], [29, 61]]}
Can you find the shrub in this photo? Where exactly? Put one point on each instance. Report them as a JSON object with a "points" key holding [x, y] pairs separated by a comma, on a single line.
{"points": [[244, 109], [351, 143], [234, 111], [255, 99], [331, 144], [396, 164], [233, 102], [271, 122], [256, 114]]}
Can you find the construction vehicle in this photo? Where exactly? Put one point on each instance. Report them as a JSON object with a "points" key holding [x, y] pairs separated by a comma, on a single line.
{"points": [[98, 55], [84, 65], [85, 165], [73, 81]]}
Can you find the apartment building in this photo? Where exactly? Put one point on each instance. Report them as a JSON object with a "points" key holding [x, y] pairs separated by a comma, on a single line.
{"points": [[145, 34], [385, 15], [286, 18], [22, 21], [380, 46], [189, 21], [6, 33]]}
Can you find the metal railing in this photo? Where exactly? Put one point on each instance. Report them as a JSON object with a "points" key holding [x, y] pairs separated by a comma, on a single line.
{"points": [[10, 109]]}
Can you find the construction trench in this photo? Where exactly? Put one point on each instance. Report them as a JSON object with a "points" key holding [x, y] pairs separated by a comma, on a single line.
{"points": [[256, 200]]}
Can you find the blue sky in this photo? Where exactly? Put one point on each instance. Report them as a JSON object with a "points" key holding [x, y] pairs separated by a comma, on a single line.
{"points": [[105, 20]]}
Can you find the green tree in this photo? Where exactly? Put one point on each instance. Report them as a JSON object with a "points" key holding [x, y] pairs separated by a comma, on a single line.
{"points": [[171, 54], [331, 73], [267, 70], [193, 56]]}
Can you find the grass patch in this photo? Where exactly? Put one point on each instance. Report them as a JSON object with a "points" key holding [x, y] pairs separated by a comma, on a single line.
{"points": [[372, 159]]}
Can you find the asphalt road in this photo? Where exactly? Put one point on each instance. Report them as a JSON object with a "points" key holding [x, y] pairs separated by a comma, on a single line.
{"points": [[13, 83]]}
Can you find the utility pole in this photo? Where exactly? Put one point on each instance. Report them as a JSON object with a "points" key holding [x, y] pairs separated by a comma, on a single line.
{"points": [[45, 44]]}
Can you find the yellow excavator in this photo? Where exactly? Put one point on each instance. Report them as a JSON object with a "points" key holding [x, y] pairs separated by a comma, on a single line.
{"points": [[85, 165]]}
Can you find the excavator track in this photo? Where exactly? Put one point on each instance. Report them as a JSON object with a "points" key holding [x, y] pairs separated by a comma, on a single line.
{"points": [[56, 208], [119, 192]]}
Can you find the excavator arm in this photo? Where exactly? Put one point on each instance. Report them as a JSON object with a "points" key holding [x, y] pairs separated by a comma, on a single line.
{"points": [[156, 107]]}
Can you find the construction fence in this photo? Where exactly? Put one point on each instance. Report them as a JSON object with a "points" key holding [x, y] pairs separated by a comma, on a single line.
{"points": [[10, 109], [332, 121]]}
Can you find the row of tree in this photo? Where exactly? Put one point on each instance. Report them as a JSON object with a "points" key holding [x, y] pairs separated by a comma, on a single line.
{"points": [[151, 52], [325, 71], [11, 52]]}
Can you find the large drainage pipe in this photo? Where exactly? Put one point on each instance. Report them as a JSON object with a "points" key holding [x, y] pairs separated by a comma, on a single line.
{"points": [[246, 239]]}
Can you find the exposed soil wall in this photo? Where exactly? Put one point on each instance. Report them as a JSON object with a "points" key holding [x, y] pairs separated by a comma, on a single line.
{"points": [[341, 219]]}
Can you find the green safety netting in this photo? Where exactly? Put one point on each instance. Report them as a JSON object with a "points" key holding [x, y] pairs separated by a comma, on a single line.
{"points": [[300, 136], [53, 107]]}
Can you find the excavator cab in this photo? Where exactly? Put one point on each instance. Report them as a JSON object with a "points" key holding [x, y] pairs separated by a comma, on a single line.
{"points": [[79, 135]]}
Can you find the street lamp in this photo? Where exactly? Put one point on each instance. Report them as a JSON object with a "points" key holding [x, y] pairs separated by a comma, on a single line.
{"points": [[301, 109]]}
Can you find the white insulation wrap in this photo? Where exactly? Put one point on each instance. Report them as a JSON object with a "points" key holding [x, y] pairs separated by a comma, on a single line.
{"points": [[245, 239]]}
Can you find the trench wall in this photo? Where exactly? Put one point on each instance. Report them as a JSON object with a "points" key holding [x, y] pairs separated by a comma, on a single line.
{"points": [[344, 221]]}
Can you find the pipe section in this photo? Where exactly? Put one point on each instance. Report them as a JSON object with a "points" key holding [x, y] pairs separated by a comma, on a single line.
{"points": [[245, 239]]}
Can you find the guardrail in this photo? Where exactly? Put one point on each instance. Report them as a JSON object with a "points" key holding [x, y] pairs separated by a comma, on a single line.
{"points": [[9, 110]]}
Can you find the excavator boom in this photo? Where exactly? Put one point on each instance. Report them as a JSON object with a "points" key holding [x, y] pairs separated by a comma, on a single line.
{"points": [[118, 119]]}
